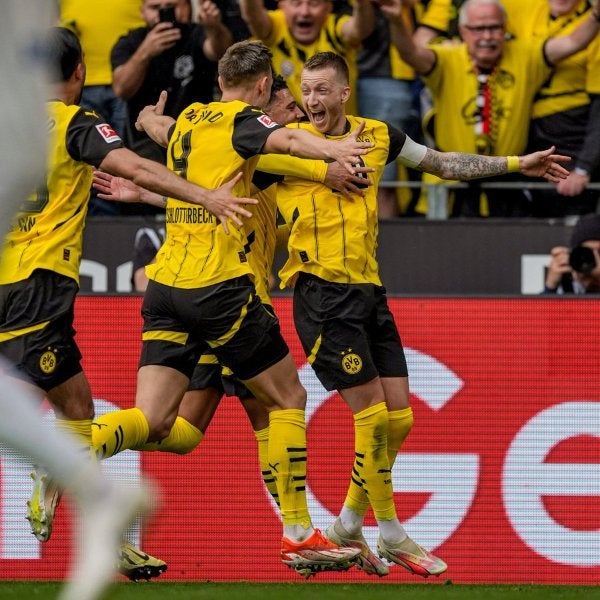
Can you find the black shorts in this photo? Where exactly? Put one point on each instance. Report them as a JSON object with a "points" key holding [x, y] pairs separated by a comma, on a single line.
{"points": [[36, 328], [207, 374], [226, 318], [347, 331]]}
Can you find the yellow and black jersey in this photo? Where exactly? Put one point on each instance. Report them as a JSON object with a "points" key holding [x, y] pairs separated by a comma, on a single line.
{"points": [[572, 79], [209, 145], [513, 84], [289, 55], [47, 231], [261, 232], [331, 236]]}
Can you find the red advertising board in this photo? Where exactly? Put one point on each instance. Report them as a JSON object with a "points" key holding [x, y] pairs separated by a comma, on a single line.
{"points": [[500, 475]]}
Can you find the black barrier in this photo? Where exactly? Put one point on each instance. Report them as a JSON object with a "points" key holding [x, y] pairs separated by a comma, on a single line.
{"points": [[416, 256]]}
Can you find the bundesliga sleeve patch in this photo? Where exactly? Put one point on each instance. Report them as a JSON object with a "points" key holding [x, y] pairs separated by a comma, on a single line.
{"points": [[108, 133], [266, 121]]}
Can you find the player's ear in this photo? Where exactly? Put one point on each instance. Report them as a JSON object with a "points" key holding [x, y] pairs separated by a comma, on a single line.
{"points": [[262, 85], [220, 81], [346, 94], [80, 71]]}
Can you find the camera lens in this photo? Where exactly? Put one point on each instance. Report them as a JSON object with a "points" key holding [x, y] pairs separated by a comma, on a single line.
{"points": [[582, 259]]}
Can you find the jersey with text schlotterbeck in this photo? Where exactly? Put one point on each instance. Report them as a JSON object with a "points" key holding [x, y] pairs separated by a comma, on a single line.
{"points": [[210, 144]]}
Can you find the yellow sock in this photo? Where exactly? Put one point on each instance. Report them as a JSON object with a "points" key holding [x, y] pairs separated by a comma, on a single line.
{"points": [[262, 441], [182, 439], [80, 431], [400, 423], [287, 461], [119, 430], [371, 472]]}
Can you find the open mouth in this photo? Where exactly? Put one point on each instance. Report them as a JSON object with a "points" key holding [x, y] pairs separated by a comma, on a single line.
{"points": [[318, 117]]}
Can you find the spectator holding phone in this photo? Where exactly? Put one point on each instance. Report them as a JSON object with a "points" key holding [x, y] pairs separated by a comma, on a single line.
{"points": [[576, 270], [170, 53]]}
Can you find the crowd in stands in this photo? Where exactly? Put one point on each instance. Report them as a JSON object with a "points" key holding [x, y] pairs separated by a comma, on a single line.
{"points": [[475, 76]]}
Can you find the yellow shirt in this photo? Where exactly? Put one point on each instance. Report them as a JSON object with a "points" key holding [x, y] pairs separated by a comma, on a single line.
{"points": [[47, 232], [573, 78], [513, 85], [99, 25], [210, 144], [333, 237]]}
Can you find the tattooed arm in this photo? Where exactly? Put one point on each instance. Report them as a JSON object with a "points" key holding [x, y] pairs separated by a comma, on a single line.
{"points": [[463, 166]]}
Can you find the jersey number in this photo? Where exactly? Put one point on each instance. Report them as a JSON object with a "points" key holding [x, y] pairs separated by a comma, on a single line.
{"points": [[180, 163], [37, 201]]}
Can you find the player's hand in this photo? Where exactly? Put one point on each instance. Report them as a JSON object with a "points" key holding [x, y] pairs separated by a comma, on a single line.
{"points": [[225, 205], [151, 111], [348, 150], [338, 178], [116, 189], [544, 164]]}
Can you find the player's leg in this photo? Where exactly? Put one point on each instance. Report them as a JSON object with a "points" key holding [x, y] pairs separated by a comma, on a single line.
{"points": [[259, 419], [196, 409], [303, 548], [74, 409], [385, 349]]}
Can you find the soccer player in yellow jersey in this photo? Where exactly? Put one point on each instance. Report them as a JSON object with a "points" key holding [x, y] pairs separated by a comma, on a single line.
{"points": [[39, 267], [483, 89], [201, 293], [208, 383], [300, 28], [340, 308]]}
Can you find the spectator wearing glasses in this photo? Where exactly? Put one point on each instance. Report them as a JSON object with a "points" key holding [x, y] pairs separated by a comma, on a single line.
{"points": [[483, 89]]}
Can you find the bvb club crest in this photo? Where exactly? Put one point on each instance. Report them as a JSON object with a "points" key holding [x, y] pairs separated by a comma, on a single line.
{"points": [[351, 362], [48, 361]]}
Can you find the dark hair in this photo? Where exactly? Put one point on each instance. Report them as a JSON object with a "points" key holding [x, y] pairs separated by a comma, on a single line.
{"points": [[279, 83], [326, 60], [244, 62], [63, 52]]}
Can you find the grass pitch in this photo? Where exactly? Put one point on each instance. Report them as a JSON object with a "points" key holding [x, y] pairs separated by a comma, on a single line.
{"points": [[20, 590]]}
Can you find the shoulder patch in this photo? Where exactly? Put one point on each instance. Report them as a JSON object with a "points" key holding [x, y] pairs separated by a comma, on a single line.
{"points": [[108, 133], [266, 121]]}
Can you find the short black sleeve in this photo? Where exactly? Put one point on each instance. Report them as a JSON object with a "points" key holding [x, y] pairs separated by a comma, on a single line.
{"points": [[263, 180], [251, 128], [397, 139], [90, 138]]}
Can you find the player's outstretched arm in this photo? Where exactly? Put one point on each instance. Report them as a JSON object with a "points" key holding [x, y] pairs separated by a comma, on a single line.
{"points": [[119, 189], [157, 178], [463, 166]]}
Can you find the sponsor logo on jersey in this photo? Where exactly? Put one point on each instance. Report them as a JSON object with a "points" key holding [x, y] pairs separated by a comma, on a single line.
{"points": [[267, 121], [108, 133]]}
